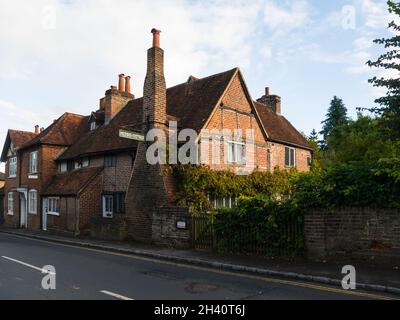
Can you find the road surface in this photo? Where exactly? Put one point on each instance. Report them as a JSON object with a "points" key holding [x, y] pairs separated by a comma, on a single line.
{"points": [[82, 273]]}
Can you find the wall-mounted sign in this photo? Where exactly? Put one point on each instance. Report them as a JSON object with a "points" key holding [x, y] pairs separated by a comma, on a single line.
{"points": [[33, 176], [181, 224], [132, 135]]}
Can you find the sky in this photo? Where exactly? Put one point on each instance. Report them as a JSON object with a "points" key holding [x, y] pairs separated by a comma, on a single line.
{"points": [[60, 56]]}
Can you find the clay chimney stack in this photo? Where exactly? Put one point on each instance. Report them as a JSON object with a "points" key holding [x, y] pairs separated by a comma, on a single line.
{"points": [[128, 84], [121, 82]]}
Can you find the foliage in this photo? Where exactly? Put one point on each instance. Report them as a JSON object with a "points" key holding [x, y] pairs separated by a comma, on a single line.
{"points": [[196, 182], [259, 222], [389, 107], [335, 117], [359, 140]]}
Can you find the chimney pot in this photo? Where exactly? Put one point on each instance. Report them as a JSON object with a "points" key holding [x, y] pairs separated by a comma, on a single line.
{"points": [[36, 129], [41, 129], [121, 82], [267, 91], [156, 38], [128, 84]]}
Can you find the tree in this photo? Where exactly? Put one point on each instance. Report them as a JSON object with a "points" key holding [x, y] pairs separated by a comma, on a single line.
{"points": [[336, 117], [313, 136], [389, 105]]}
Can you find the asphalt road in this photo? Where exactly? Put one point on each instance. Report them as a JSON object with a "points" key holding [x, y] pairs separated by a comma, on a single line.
{"points": [[91, 274]]}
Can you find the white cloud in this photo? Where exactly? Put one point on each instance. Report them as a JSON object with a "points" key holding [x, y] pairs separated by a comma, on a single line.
{"points": [[375, 12], [285, 18]]}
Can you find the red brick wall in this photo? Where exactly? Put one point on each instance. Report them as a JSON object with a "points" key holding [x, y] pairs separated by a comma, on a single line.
{"points": [[236, 113], [66, 221], [278, 157], [90, 203]]}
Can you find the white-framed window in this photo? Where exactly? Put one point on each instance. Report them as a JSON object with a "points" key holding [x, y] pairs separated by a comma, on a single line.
{"points": [[10, 203], [236, 152], [290, 157], [33, 162], [227, 202], [64, 166], [108, 204], [93, 125], [82, 163], [32, 201], [53, 204], [12, 167]]}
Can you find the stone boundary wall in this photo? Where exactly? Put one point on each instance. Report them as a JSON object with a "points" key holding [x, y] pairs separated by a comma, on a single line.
{"points": [[360, 233], [165, 230]]}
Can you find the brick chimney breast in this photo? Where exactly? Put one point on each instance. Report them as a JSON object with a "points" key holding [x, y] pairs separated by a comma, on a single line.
{"points": [[272, 101], [115, 99]]}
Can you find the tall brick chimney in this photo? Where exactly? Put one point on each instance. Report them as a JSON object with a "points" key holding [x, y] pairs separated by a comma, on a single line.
{"points": [[128, 84], [115, 99], [37, 129], [155, 91], [272, 101], [151, 186]]}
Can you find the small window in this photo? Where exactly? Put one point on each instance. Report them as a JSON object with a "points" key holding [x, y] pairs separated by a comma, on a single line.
{"points": [[110, 161], [93, 125], [290, 157], [53, 206], [12, 167], [81, 163], [236, 152], [113, 203], [309, 161], [32, 201], [10, 209], [108, 204], [63, 166], [33, 162]]}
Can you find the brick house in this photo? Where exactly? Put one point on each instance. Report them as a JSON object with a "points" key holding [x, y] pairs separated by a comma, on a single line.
{"points": [[94, 180], [2, 182]]}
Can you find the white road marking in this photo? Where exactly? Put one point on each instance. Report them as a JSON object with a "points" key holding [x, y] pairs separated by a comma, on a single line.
{"points": [[29, 265], [115, 295]]}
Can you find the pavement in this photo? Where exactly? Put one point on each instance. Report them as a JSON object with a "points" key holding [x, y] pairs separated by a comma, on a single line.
{"points": [[95, 269]]}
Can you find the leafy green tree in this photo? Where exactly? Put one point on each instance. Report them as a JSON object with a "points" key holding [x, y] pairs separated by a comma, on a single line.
{"points": [[336, 117], [389, 105], [359, 141]]}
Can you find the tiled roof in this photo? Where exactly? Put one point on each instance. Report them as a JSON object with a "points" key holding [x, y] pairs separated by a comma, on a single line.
{"points": [[279, 128], [63, 132], [71, 183], [19, 138], [191, 103]]}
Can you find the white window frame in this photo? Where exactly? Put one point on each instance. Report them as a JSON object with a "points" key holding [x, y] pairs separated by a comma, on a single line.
{"points": [[107, 213], [32, 207], [10, 203], [93, 125], [63, 166], [290, 165], [82, 163], [51, 206], [12, 167], [235, 154], [33, 162]]}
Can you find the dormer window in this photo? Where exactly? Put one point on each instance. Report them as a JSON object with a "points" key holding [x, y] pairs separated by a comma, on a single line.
{"points": [[93, 125], [82, 163]]}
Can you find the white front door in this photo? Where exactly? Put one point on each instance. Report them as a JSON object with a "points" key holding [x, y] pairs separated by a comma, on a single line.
{"points": [[44, 214], [23, 210]]}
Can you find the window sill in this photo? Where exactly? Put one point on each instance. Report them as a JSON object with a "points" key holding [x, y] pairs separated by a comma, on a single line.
{"points": [[10, 213], [34, 213], [12, 177], [53, 213]]}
